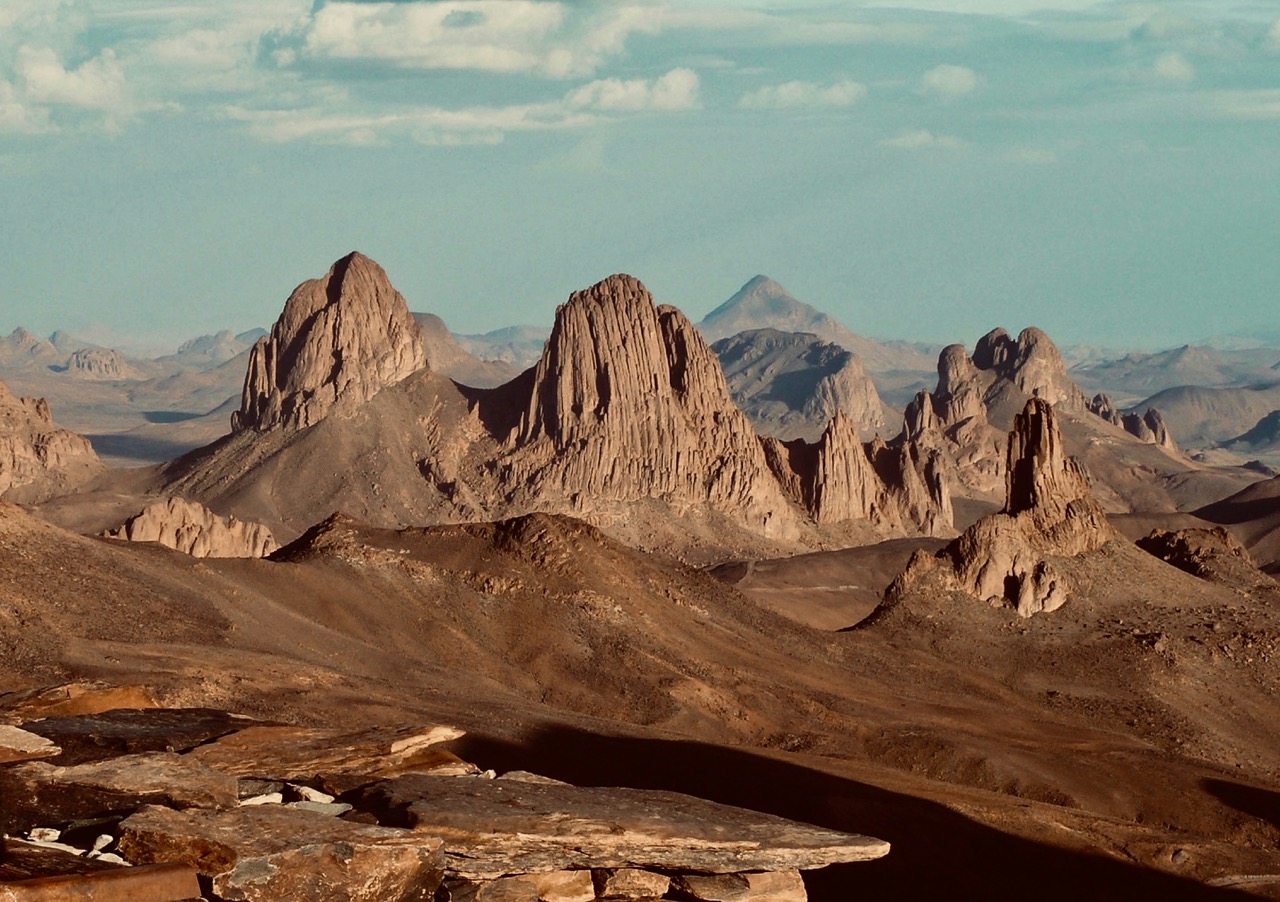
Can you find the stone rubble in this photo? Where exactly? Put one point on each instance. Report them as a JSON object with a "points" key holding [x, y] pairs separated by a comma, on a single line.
{"points": [[251, 808]]}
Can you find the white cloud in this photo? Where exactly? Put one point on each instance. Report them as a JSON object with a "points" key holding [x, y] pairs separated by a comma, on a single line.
{"points": [[950, 81], [1173, 66], [1263, 103], [18, 117], [677, 90], [922, 138], [549, 38], [1273, 36], [804, 94], [96, 84]]}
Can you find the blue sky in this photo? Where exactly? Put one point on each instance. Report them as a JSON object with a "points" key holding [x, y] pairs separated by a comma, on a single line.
{"points": [[1105, 170]]}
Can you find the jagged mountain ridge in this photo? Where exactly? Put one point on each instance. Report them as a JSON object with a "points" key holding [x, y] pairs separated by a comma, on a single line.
{"points": [[627, 420]]}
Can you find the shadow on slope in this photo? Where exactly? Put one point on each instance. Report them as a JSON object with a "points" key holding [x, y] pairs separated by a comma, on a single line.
{"points": [[936, 853]]}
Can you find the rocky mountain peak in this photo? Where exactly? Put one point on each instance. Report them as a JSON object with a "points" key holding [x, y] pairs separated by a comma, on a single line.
{"points": [[37, 459], [1049, 512], [340, 339]]}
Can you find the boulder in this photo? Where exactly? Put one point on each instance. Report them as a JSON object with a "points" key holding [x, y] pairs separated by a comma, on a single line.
{"points": [[19, 745], [269, 853], [126, 731], [340, 340], [630, 883], [303, 753], [494, 828], [190, 527], [40, 794], [769, 886]]}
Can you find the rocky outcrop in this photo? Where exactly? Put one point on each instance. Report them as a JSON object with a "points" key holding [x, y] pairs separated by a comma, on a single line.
{"points": [[790, 384], [1148, 426], [37, 459], [340, 340], [1007, 558], [102, 364], [271, 812], [840, 478], [193, 529], [1212, 554], [628, 403]]}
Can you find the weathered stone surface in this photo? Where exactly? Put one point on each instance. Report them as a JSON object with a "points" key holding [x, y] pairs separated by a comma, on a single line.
{"points": [[767, 886], [38, 794], [1150, 427], [790, 384], [504, 889], [1212, 554], [190, 527], [37, 459], [497, 827], [19, 745], [340, 340], [71, 699], [629, 403], [630, 883], [153, 883], [25, 860], [303, 753], [563, 886], [271, 853], [125, 731], [1048, 512]]}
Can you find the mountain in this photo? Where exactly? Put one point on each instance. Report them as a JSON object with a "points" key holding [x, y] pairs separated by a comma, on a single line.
{"points": [[207, 351], [1139, 375], [446, 356], [341, 339], [1203, 417], [1263, 438], [37, 459], [626, 421], [764, 304], [790, 384], [518, 346]]}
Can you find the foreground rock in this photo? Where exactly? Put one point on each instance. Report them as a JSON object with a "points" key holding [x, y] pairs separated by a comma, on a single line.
{"points": [[190, 527], [70, 699], [340, 340], [270, 853], [496, 827], [1006, 558], [19, 745], [110, 734], [37, 459]]}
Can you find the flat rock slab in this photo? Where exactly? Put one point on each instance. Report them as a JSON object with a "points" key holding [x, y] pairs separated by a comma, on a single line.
{"points": [[21, 745], [20, 860], [38, 794], [771, 886], [268, 853], [302, 753], [71, 699], [497, 827], [128, 731], [157, 883]]}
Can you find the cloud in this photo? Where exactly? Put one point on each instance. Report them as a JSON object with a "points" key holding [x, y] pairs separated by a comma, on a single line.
{"points": [[590, 104], [95, 84], [1174, 67], [533, 36], [923, 138], [950, 81], [1262, 103], [677, 90], [16, 117], [1273, 36], [804, 95]]}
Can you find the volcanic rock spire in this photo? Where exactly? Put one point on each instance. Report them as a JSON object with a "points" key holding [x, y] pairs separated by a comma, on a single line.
{"points": [[340, 340]]}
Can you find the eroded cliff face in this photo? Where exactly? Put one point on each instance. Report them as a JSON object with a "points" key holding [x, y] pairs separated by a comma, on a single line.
{"points": [[340, 340], [629, 403], [193, 529], [1006, 558], [37, 459]]}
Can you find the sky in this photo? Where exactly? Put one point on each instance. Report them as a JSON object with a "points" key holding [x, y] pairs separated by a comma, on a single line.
{"points": [[925, 170]]}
